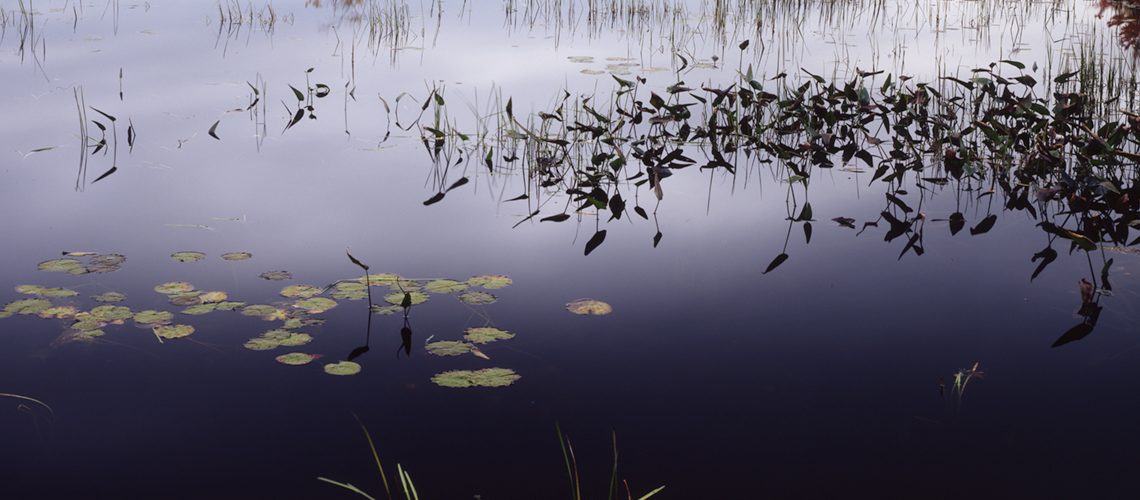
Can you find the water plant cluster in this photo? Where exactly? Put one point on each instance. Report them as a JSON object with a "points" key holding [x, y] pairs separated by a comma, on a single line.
{"points": [[294, 314]]}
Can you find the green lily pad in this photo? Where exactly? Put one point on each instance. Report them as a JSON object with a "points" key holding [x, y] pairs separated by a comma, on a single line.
{"points": [[174, 287], [61, 266], [398, 298], [299, 322], [404, 285], [315, 305], [300, 291], [109, 297], [589, 307], [186, 299], [200, 309], [382, 279], [276, 275], [342, 368], [228, 305], [236, 256], [58, 312], [487, 377], [111, 313], [258, 310], [490, 281], [25, 307], [213, 297], [477, 298], [86, 322], [448, 348], [173, 331], [276, 338], [296, 358], [187, 256], [445, 286], [486, 334], [350, 295], [152, 317], [386, 310], [46, 292]]}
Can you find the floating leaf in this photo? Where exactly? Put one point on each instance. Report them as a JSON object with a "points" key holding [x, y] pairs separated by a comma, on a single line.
{"points": [[25, 306], [277, 338], [200, 309], [276, 275], [46, 292], [445, 286], [152, 317], [477, 298], [174, 287], [105, 263], [173, 331], [111, 313], [490, 281], [61, 266], [342, 368], [486, 334], [315, 305], [236, 256], [382, 279], [448, 348], [58, 312], [186, 299], [258, 310], [86, 322], [386, 310], [109, 297], [300, 291], [213, 297], [398, 298], [487, 377], [187, 256], [228, 305], [590, 307], [296, 358]]}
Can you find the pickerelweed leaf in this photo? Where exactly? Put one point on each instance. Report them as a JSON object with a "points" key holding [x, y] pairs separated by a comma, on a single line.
{"points": [[595, 240]]}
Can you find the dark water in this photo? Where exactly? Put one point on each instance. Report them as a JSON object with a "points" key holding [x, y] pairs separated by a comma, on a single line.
{"points": [[817, 380]]}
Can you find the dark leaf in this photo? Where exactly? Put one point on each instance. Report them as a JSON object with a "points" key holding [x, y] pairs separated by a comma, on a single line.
{"points": [[356, 261], [596, 240], [984, 226], [460, 182], [776, 262], [300, 96], [807, 232], [957, 222], [555, 218], [214, 130], [105, 174], [434, 199], [1047, 256], [641, 211]]}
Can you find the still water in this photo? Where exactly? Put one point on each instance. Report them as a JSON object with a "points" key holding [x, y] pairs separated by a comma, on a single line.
{"points": [[832, 375]]}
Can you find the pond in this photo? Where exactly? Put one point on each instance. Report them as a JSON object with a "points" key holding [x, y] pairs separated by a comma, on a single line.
{"points": [[569, 249]]}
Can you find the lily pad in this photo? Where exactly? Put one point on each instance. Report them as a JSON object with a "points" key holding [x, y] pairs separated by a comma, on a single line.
{"points": [[350, 295], [445, 286], [382, 279], [276, 275], [213, 297], [277, 338], [386, 310], [487, 377], [590, 307], [296, 358], [236, 256], [59, 312], [342, 368], [490, 281], [61, 266], [86, 322], [152, 317], [580, 59], [111, 313], [45, 292], [105, 263], [109, 297], [25, 306], [316, 305], [173, 331], [229, 305], [186, 299], [174, 287], [448, 348], [200, 309], [187, 256], [477, 298], [300, 291], [486, 334], [299, 322], [398, 298]]}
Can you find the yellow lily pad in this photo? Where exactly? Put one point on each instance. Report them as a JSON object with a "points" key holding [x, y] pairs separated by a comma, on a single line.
{"points": [[477, 298], [300, 291], [490, 281], [296, 358], [445, 286], [236, 256], [448, 348], [487, 377], [174, 287], [342, 368], [187, 256], [486, 334], [590, 307], [173, 331]]}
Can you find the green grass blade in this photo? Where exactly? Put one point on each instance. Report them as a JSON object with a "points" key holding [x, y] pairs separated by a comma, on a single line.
{"points": [[348, 487], [651, 493], [613, 475], [566, 457], [375, 456]]}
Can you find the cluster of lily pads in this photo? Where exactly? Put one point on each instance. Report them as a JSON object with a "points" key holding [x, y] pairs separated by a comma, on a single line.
{"points": [[298, 310]]}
